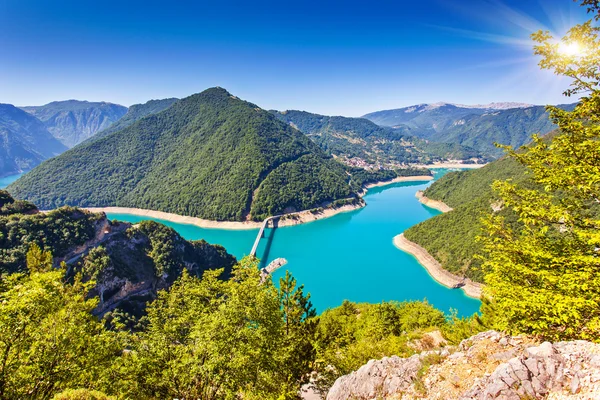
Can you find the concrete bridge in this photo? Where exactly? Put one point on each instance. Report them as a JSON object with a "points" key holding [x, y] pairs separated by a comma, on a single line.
{"points": [[261, 232]]}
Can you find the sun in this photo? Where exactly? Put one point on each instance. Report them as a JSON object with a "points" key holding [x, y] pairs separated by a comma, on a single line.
{"points": [[570, 49]]}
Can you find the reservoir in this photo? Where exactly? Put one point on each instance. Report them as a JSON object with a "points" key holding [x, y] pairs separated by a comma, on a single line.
{"points": [[348, 256]]}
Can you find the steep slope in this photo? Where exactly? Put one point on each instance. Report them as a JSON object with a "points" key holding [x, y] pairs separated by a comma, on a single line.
{"points": [[134, 114], [477, 128], [24, 141], [451, 237], [210, 155], [73, 121], [361, 138], [129, 263]]}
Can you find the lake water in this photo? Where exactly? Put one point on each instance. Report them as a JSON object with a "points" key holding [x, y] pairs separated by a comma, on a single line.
{"points": [[7, 180], [348, 256]]}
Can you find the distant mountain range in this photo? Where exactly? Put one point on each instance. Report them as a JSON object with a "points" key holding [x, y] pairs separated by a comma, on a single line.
{"points": [[478, 127], [73, 121], [210, 155], [359, 137], [24, 141]]}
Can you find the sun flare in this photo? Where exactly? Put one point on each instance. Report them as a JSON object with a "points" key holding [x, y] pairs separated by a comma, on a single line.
{"points": [[570, 49]]}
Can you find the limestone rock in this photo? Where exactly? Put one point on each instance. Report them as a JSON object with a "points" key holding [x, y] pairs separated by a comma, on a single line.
{"points": [[487, 366]]}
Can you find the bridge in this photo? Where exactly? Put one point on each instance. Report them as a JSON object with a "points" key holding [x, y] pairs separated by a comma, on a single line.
{"points": [[261, 232]]}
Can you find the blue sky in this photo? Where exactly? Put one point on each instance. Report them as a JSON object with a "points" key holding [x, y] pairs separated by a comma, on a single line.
{"points": [[331, 57]]}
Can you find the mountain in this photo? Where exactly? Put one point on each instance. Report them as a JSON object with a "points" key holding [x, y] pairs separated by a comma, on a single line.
{"points": [[451, 237], [135, 113], [210, 155], [477, 128], [137, 261], [73, 121], [24, 141], [435, 116], [361, 138]]}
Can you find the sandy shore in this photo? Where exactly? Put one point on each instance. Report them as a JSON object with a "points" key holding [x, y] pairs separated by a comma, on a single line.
{"points": [[448, 165], [300, 217], [438, 205], [290, 219], [472, 289]]}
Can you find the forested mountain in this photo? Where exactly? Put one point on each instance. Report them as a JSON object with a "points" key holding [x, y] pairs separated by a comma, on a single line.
{"points": [[210, 155], [450, 237], [24, 141], [435, 116], [478, 128], [359, 137], [73, 121], [135, 113]]}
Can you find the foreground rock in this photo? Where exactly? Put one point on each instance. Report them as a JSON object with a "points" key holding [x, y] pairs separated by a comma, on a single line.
{"points": [[489, 365]]}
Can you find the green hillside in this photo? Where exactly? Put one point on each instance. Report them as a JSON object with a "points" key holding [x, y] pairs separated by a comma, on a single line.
{"points": [[450, 237], [210, 155], [134, 114], [359, 137], [474, 127]]}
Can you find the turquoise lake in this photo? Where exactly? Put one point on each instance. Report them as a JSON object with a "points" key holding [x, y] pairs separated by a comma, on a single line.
{"points": [[348, 256], [7, 180]]}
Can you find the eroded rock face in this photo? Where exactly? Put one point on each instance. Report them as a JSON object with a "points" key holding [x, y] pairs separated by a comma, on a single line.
{"points": [[489, 365]]}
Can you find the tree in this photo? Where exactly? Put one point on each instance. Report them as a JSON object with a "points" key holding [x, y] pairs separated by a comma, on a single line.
{"points": [[49, 341], [213, 339], [299, 328], [544, 278]]}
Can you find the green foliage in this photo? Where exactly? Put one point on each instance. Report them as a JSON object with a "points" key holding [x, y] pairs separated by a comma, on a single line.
{"points": [[81, 394], [56, 231], [451, 237], [359, 137], [544, 278], [38, 260], [205, 156], [214, 339], [134, 114], [49, 340]]}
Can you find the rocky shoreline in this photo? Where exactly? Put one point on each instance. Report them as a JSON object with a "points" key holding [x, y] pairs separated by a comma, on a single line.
{"points": [[438, 205], [446, 278]]}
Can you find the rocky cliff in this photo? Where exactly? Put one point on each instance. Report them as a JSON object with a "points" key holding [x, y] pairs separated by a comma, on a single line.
{"points": [[489, 365]]}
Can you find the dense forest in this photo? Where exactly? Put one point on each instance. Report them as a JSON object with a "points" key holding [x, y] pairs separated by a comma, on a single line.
{"points": [[138, 312], [359, 137], [451, 237], [134, 114], [204, 156]]}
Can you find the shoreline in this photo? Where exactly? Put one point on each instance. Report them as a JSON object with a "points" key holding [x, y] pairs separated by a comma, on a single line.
{"points": [[295, 219], [435, 270], [448, 165], [438, 205], [399, 179], [300, 217]]}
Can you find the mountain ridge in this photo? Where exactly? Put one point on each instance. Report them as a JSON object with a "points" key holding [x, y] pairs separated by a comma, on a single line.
{"points": [[25, 141], [210, 155], [73, 121]]}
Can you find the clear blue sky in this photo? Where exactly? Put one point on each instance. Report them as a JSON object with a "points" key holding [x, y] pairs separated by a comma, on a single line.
{"points": [[331, 57]]}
